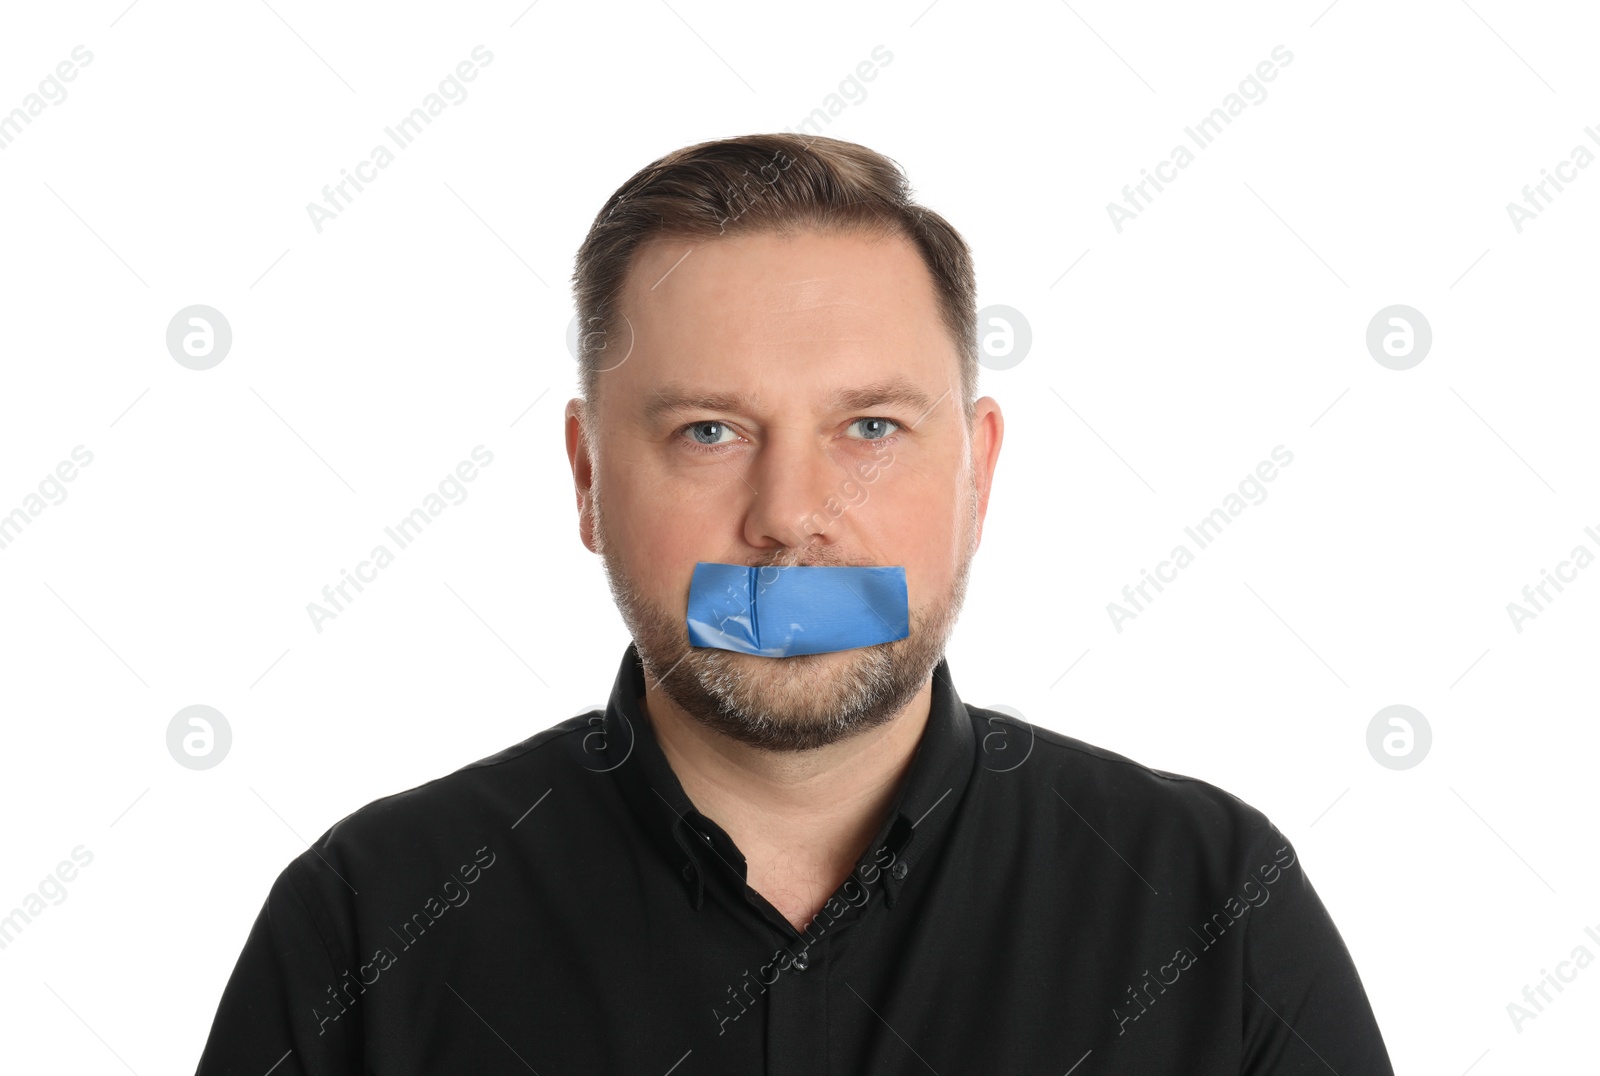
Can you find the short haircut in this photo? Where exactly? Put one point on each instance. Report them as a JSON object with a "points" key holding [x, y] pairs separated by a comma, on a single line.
{"points": [[768, 183]]}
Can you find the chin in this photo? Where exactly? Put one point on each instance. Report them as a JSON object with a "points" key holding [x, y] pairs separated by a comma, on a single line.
{"points": [[757, 666]]}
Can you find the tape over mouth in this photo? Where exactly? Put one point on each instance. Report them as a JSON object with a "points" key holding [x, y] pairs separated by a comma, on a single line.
{"points": [[780, 612]]}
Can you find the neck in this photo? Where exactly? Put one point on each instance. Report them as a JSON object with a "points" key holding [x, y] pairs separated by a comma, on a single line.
{"points": [[821, 806]]}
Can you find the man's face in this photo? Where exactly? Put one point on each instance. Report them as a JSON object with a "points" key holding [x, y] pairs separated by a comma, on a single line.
{"points": [[782, 401]]}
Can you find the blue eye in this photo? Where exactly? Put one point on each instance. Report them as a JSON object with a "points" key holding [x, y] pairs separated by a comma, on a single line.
{"points": [[880, 425], [695, 429]]}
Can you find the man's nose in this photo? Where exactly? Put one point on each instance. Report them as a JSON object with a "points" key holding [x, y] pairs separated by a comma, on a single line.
{"points": [[798, 482]]}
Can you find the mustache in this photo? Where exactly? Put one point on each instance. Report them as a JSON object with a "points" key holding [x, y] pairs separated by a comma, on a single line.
{"points": [[794, 561]]}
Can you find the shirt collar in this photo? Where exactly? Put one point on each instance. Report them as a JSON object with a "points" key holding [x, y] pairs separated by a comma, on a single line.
{"points": [[627, 748]]}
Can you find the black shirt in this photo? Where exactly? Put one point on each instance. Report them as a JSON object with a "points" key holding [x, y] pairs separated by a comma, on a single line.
{"points": [[1032, 904]]}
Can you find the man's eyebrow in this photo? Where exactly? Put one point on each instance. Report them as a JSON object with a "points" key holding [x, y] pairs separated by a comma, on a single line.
{"points": [[893, 390], [672, 399]]}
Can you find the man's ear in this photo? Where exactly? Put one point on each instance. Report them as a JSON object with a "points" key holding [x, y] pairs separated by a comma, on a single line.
{"points": [[988, 430], [577, 416]]}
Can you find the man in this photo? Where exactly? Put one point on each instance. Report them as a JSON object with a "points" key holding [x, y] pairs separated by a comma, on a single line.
{"points": [[787, 845]]}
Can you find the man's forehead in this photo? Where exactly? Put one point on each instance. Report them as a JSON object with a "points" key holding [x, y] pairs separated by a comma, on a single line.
{"points": [[808, 267], [757, 324]]}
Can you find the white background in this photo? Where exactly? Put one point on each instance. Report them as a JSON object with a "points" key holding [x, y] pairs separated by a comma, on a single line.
{"points": [[429, 317]]}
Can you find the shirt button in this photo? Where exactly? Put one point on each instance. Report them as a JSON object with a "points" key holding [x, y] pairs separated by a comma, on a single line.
{"points": [[899, 870], [688, 870], [801, 961]]}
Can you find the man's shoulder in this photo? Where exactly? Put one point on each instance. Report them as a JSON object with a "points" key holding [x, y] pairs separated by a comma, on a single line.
{"points": [[480, 799], [1102, 785]]}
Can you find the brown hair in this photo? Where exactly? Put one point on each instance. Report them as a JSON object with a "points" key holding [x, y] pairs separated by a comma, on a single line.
{"points": [[774, 183]]}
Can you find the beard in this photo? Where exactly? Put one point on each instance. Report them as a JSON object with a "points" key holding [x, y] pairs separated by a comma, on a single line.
{"points": [[796, 703]]}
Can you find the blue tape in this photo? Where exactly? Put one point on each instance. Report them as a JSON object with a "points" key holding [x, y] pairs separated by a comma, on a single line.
{"points": [[784, 612]]}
